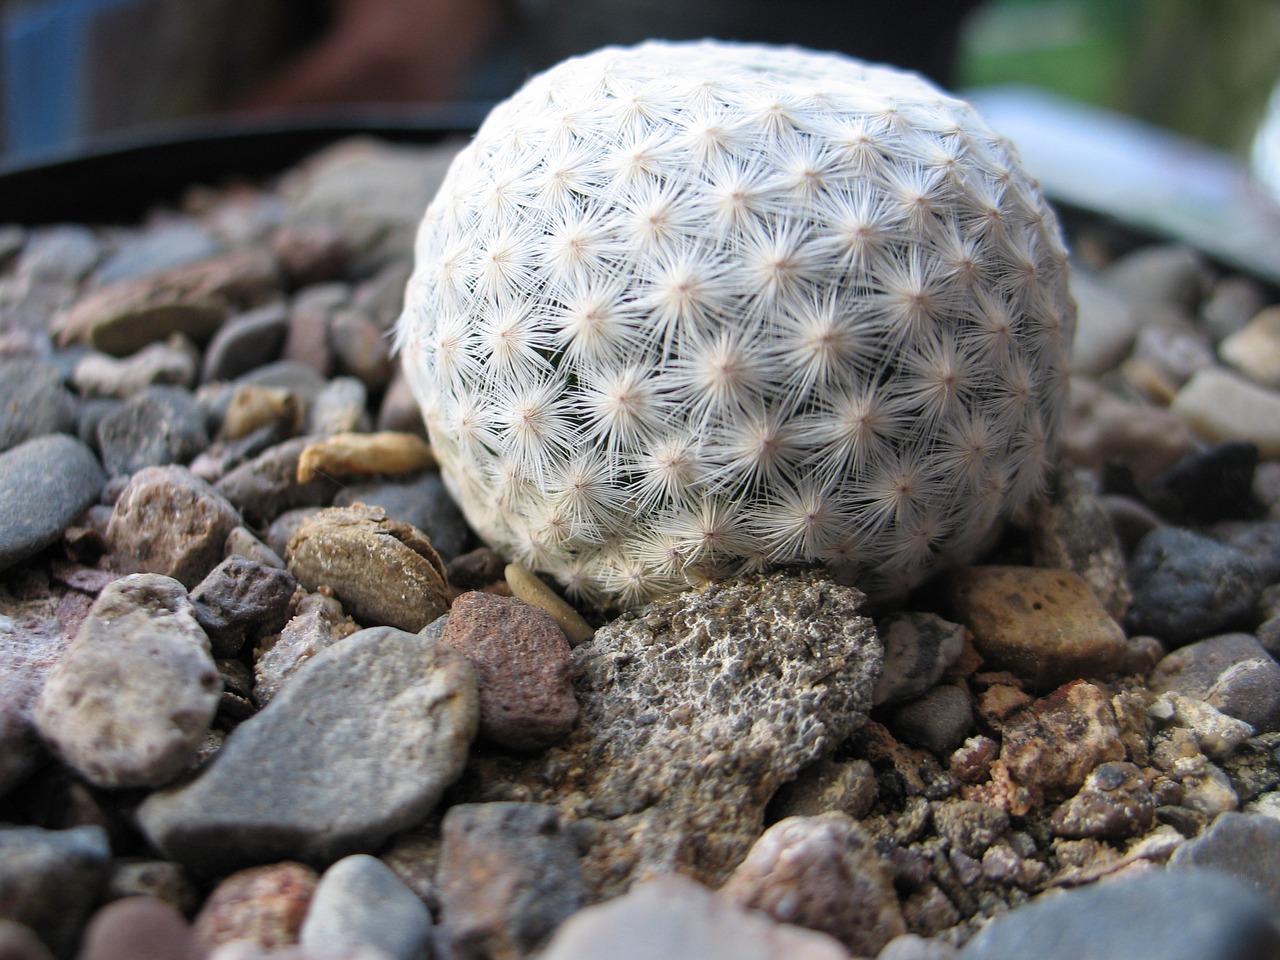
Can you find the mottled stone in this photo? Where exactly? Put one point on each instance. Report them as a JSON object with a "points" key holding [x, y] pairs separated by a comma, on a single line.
{"points": [[33, 401], [264, 905], [1230, 672], [1046, 626], [169, 521], [1217, 734], [918, 649], [939, 721], [1186, 586], [318, 623], [1220, 405], [694, 711], [130, 702], [267, 485], [245, 341], [172, 363], [1103, 429], [1174, 915], [360, 900], [1166, 354], [158, 426], [674, 918], [823, 873], [45, 484], [523, 668], [395, 712], [825, 786], [253, 409], [242, 599], [507, 878], [421, 502], [1114, 804], [138, 928], [51, 879], [1056, 742], [384, 572]]}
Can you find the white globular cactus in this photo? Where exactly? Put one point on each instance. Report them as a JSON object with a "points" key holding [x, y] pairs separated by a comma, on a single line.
{"points": [[681, 311]]}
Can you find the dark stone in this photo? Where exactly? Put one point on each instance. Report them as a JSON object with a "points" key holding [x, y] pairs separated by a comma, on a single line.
{"points": [[423, 503], [245, 342], [159, 426], [45, 484], [50, 879], [1231, 672], [242, 599], [1244, 845], [1208, 485], [33, 401], [939, 721], [267, 485]]}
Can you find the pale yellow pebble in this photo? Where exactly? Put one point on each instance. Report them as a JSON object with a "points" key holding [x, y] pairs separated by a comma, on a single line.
{"points": [[1255, 350], [1220, 405], [525, 585], [346, 453]]}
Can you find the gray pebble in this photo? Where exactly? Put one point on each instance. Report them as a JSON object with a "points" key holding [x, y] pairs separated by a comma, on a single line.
{"points": [[1244, 845], [267, 485], [359, 900], [131, 700], [45, 484], [918, 648], [169, 521], [58, 254], [911, 946], [242, 543], [939, 721], [361, 348], [341, 407], [1173, 915], [90, 412], [318, 623], [1167, 275], [241, 599], [1231, 672], [245, 342], [171, 363], [378, 726], [50, 880], [1186, 587], [298, 378], [161, 248], [423, 503], [1260, 542], [33, 401], [969, 826], [159, 426], [283, 527]]}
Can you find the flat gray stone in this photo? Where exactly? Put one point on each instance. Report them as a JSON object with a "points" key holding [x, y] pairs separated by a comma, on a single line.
{"points": [[360, 900], [45, 484], [376, 728], [1245, 845]]}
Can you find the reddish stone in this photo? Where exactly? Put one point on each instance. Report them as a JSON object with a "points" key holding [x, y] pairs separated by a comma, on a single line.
{"points": [[265, 905]]}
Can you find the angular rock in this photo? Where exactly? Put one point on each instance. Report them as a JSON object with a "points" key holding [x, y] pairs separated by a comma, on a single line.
{"points": [[33, 401], [1171, 914], [507, 878], [918, 649], [169, 521], [242, 543], [1231, 673], [1055, 743], [1254, 350], [1217, 734], [267, 486], [1114, 804], [1186, 586], [318, 623], [384, 572], [51, 879], [131, 701], [523, 668], [1243, 845], [138, 928], [239, 599], [45, 484], [263, 905], [360, 901], [392, 711], [1046, 626], [674, 918], [823, 873], [969, 826], [694, 711]]}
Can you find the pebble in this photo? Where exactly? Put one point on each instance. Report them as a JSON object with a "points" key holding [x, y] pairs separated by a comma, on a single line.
{"points": [[533, 590], [1102, 429], [523, 669], [318, 623], [242, 599], [241, 542], [1046, 626], [1230, 672], [1113, 804], [399, 409], [1056, 742], [508, 876], [1166, 275], [130, 702], [169, 521], [939, 721], [384, 572], [360, 901], [361, 349], [160, 425], [1207, 486], [297, 378], [969, 826], [1220, 405], [393, 711], [165, 246], [161, 880], [1187, 586], [841, 786], [1259, 541], [919, 647], [267, 486], [245, 342], [172, 363], [910, 946], [63, 253], [50, 880], [307, 341], [33, 401], [264, 905], [1234, 301], [310, 256], [45, 484], [694, 702], [1244, 845], [1255, 349], [341, 407], [421, 502], [344, 454], [674, 918], [822, 873], [19, 942], [138, 928], [253, 408], [1105, 325], [1217, 734], [31, 641], [1168, 352]]}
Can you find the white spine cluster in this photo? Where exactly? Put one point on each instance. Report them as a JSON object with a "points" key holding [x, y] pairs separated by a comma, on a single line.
{"points": [[685, 310]]}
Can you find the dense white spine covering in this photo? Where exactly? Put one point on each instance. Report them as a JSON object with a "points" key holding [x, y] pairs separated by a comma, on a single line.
{"points": [[684, 310]]}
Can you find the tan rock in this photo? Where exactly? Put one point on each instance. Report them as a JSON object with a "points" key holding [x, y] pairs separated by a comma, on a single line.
{"points": [[264, 905], [1055, 743], [1255, 350], [1221, 405]]}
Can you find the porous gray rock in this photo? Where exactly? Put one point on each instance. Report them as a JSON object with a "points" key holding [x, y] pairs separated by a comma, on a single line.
{"points": [[378, 726], [694, 711], [131, 701], [360, 901], [169, 521], [50, 879], [45, 484]]}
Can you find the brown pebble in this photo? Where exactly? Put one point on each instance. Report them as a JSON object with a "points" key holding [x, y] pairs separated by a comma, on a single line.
{"points": [[265, 905], [365, 453], [1056, 742], [529, 587], [139, 928]]}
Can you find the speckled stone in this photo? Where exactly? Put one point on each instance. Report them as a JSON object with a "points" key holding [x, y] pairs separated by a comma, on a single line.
{"points": [[1220, 405], [241, 599], [45, 484], [969, 826], [1231, 672], [318, 623], [1114, 803], [825, 786], [918, 649], [51, 879], [689, 723], [823, 873], [394, 711], [939, 721], [267, 485], [1056, 742], [264, 905], [158, 426]]}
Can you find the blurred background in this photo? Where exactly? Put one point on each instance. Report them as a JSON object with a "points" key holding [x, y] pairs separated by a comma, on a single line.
{"points": [[75, 74]]}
